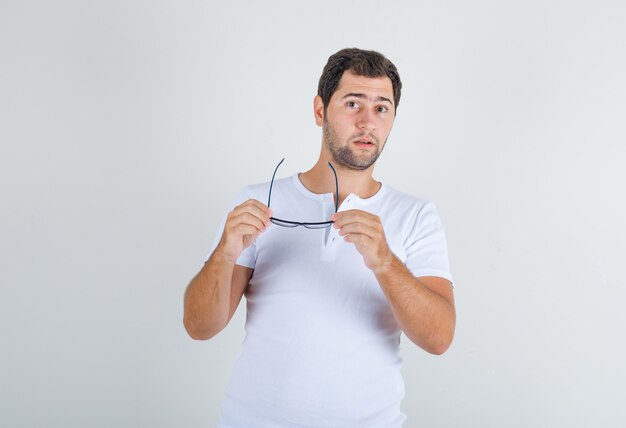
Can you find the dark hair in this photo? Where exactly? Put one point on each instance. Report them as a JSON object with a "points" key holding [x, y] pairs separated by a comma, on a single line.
{"points": [[360, 63]]}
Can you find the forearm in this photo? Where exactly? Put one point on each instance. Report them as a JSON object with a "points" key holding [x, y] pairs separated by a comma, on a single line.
{"points": [[207, 299], [426, 317]]}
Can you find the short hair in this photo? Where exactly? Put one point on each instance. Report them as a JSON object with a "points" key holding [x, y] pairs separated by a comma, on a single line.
{"points": [[360, 63]]}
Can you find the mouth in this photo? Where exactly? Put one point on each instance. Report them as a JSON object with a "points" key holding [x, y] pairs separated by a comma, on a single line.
{"points": [[364, 143]]}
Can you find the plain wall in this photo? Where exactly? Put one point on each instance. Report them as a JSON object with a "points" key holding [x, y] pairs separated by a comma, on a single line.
{"points": [[127, 127]]}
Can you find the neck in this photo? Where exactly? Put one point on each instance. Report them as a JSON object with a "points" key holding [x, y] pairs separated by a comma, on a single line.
{"points": [[320, 179]]}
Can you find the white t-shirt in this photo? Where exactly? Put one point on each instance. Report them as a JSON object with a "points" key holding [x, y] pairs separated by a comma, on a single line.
{"points": [[322, 345]]}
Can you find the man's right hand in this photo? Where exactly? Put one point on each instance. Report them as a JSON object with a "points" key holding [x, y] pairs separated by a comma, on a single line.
{"points": [[214, 293], [243, 224]]}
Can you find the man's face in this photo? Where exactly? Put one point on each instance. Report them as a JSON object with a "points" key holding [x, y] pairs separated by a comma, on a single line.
{"points": [[358, 120]]}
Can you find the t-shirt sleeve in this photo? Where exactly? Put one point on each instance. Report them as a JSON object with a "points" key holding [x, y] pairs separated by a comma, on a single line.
{"points": [[247, 257], [426, 246]]}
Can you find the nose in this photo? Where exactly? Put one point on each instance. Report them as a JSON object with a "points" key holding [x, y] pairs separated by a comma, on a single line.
{"points": [[365, 121]]}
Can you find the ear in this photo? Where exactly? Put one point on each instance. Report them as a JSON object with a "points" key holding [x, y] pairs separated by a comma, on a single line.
{"points": [[318, 110]]}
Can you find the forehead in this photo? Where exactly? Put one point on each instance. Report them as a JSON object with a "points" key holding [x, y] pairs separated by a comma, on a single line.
{"points": [[369, 86]]}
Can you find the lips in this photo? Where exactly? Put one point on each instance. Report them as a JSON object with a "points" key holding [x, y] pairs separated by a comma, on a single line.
{"points": [[364, 143]]}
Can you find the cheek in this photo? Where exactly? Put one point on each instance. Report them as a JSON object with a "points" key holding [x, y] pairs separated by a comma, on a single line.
{"points": [[343, 132], [386, 127]]}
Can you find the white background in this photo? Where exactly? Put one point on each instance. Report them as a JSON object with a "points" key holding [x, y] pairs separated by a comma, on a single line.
{"points": [[127, 127]]}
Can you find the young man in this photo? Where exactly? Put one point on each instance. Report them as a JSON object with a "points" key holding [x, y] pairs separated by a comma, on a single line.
{"points": [[332, 272]]}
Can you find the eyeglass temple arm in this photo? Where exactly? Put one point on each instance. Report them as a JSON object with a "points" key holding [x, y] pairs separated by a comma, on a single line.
{"points": [[269, 197], [336, 187]]}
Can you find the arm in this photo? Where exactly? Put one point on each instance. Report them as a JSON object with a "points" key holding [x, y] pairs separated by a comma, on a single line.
{"points": [[423, 307], [214, 293]]}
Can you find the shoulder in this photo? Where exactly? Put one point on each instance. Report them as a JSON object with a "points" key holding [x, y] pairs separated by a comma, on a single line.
{"points": [[409, 212], [260, 191], [406, 203]]}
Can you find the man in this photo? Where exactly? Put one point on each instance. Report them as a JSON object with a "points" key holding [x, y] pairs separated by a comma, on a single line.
{"points": [[332, 272]]}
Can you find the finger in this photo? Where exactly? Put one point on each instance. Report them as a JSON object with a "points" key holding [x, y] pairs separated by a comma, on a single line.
{"points": [[354, 216], [358, 228], [256, 212], [358, 223], [253, 209], [359, 240], [247, 218], [259, 205], [245, 229]]}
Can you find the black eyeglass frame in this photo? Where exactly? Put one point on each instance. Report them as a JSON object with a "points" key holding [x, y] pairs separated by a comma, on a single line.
{"points": [[308, 225]]}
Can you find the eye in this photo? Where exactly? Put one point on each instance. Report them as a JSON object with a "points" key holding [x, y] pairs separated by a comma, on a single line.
{"points": [[352, 104], [382, 109]]}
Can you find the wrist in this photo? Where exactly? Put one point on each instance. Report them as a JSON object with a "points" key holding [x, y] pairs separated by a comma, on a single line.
{"points": [[222, 255], [386, 264]]}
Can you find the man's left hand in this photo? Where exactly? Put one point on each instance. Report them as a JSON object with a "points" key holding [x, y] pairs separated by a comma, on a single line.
{"points": [[365, 231]]}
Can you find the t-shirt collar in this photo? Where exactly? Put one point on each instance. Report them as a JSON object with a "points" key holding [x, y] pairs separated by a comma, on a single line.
{"points": [[356, 199]]}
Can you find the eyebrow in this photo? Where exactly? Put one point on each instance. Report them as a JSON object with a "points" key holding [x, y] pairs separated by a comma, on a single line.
{"points": [[363, 96]]}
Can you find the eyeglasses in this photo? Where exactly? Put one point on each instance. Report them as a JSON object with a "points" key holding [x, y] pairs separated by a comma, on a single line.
{"points": [[308, 225]]}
